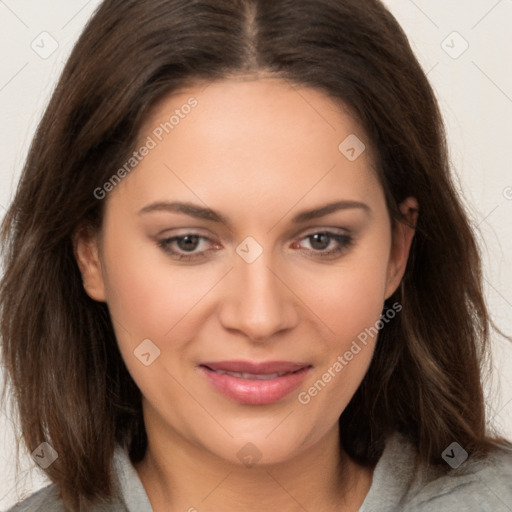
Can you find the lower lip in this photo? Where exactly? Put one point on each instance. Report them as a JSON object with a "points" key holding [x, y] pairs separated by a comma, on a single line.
{"points": [[255, 391]]}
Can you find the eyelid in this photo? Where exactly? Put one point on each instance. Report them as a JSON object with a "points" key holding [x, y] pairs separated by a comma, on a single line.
{"points": [[166, 242], [188, 230], [342, 236], [334, 230], [181, 232]]}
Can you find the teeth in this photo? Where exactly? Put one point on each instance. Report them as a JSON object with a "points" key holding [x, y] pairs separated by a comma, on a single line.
{"points": [[244, 375]]}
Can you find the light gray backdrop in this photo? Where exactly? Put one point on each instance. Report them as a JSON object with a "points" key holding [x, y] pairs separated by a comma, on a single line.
{"points": [[465, 47]]}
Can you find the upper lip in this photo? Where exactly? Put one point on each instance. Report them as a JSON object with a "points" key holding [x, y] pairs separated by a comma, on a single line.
{"points": [[262, 368]]}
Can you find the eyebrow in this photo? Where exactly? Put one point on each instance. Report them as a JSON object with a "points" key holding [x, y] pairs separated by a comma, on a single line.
{"points": [[200, 212]]}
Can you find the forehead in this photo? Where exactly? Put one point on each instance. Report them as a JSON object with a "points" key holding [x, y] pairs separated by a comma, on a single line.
{"points": [[247, 102], [265, 139]]}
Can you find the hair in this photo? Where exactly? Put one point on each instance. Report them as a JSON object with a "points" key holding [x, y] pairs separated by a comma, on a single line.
{"points": [[69, 382]]}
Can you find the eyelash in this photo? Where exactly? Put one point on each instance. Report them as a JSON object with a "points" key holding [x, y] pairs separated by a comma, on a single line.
{"points": [[345, 241]]}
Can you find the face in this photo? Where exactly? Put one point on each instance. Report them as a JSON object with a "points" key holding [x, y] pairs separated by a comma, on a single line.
{"points": [[241, 317]]}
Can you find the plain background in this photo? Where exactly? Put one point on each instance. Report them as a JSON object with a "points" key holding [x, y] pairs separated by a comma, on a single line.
{"points": [[469, 70]]}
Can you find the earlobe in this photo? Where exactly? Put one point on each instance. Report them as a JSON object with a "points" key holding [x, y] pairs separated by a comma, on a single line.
{"points": [[403, 235], [86, 251]]}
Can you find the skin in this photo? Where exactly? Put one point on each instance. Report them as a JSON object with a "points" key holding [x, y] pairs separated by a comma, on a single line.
{"points": [[258, 151]]}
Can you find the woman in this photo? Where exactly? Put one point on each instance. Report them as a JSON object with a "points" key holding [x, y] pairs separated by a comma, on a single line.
{"points": [[238, 275]]}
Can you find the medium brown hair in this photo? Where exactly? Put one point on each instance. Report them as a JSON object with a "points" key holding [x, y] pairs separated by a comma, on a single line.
{"points": [[69, 382]]}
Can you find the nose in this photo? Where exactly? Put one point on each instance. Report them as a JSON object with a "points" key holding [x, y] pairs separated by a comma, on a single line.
{"points": [[258, 302]]}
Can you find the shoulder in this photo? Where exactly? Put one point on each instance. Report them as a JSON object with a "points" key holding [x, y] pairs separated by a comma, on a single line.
{"points": [[46, 499], [477, 485], [401, 483], [130, 492]]}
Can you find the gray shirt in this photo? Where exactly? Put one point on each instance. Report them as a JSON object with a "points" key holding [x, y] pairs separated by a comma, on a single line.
{"points": [[397, 485]]}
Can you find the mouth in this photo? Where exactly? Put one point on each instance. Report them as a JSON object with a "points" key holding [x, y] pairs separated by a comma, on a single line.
{"points": [[253, 383]]}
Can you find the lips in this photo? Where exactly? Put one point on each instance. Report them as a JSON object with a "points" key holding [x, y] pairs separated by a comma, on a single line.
{"points": [[254, 383]]}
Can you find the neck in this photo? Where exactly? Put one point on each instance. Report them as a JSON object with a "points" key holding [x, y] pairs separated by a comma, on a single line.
{"points": [[179, 476]]}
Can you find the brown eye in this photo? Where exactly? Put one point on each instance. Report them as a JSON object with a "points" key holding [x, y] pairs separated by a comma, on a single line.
{"points": [[188, 242], [179, 246], [321, 240]]}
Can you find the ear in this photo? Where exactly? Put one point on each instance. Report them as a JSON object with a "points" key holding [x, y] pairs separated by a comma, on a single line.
{"points": [[86, 251], [403, 235]]}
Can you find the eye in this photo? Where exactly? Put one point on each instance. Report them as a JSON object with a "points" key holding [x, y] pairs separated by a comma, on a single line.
{"points": [[321, 240], [186, 245]]}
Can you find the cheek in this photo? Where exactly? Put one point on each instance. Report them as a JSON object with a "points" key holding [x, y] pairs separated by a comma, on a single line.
{"points": [[353, 315], [349, 301], [349, 297], [145, 292], [150, 299]]}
